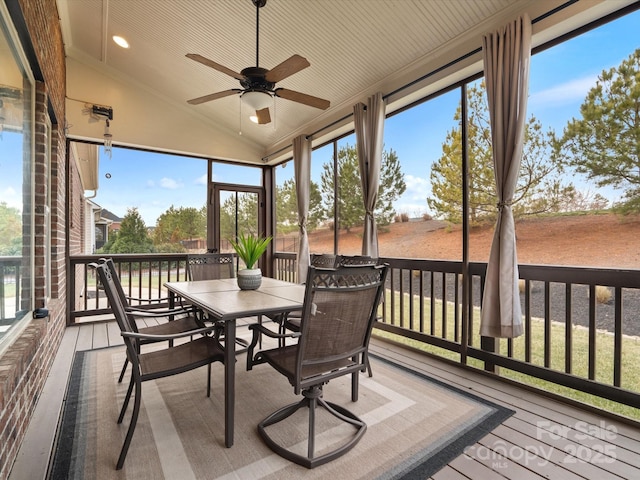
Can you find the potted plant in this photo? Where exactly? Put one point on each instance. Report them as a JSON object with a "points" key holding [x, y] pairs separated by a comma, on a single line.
{"points": [[249, 249]]}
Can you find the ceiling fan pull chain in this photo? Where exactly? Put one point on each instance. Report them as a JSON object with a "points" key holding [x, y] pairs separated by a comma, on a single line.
{"points": [[240, 119], [274, 111]]}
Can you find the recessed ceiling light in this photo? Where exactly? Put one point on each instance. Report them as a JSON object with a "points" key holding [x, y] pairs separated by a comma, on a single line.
{"points": [[120, 41]]}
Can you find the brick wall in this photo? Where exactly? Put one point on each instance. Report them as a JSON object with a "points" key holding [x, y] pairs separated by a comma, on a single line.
{"points": [[75, 225], [25, 364], [58, 215], [42, 19]]}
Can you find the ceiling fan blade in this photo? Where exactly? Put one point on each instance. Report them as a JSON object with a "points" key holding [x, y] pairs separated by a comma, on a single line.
{"points": [[263, 116], [213, 96], [302, 98], [291, 65], [215, 66]]}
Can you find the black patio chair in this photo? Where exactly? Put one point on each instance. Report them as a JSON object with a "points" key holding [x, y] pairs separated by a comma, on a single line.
{"points": [[210, 266], [343, 260], [339, 309], [213, 266], [204, 350], [176, 320], [291, 321]]}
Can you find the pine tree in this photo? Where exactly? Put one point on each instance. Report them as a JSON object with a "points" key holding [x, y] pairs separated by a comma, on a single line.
{"points": [[540, 188], [349, 199], [605, 143]]}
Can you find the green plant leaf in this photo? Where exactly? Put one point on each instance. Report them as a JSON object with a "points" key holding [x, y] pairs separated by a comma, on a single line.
{"points": [[250, 248]]}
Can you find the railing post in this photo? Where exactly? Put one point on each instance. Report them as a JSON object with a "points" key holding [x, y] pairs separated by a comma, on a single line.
{"points": [[489, 344]]}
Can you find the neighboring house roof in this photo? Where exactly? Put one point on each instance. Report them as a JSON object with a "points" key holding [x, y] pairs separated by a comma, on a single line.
{"points": [[110, 216]]}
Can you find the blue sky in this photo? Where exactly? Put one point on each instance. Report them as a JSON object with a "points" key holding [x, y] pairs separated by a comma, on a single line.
{"points": [[560, 78]]}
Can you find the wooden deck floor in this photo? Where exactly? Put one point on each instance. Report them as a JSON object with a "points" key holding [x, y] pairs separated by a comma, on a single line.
{"points": [[544, 439]]}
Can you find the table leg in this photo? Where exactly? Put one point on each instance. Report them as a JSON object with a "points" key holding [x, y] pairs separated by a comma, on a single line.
{"points": [[172, 304], [229, 379]]}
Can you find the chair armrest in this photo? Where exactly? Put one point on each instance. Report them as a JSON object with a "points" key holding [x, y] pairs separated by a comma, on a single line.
{"points": [[258, 330], [145, 312], [148, 300], [270, 333], [154, 314], [174, 336]]}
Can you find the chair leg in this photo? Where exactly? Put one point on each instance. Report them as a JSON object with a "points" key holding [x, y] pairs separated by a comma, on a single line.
{"points": [[355, 381], [132, 426], [355, 384], [208, 380], [126, 399], [366, 360], [311, 442], [312, 399], [124, 369]]}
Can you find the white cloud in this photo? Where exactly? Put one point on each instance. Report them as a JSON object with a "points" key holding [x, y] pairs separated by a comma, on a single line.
{"points": [[170, 183], [417, 187], [11, 198], [414, 210], [414, 200], [575, 90], [202, 180]]}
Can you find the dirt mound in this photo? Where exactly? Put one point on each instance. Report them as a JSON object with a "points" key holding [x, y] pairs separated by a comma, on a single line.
{"points": [[606, 240]]}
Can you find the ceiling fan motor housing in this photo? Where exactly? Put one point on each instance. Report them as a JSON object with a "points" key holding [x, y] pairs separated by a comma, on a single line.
{"points": [[254, 79]]}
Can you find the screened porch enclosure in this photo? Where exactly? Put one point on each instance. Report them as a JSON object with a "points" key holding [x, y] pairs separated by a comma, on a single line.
{"points": [[435, 300], [509, 223]]}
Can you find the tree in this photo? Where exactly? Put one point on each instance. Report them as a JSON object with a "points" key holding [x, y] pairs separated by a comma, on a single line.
{"points": [[287, 207], [132, 237], [349, 200], [242, 214], [10, 230], [539, 188], [605, 143], [184, 223]]}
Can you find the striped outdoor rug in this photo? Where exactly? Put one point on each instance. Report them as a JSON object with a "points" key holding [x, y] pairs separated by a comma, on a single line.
{"points": [[416, 425]]}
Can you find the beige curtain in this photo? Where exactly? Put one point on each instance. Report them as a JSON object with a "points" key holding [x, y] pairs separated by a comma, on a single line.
{"points": [[302, 173], [506, 65], [369, 126]]}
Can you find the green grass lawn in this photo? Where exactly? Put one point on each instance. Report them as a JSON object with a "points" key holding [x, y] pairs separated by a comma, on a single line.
{"points": [[580, 349]]}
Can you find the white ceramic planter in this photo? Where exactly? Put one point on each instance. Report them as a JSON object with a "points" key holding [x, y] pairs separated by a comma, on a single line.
{"points": [[249, 279]]}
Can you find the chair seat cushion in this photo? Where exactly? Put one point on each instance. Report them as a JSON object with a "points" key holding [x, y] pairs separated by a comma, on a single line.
{"points": [[180, 358]]}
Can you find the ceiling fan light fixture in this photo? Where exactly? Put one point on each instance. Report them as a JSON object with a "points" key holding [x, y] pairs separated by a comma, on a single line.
{"points": [[120, 41], [255, 99]]}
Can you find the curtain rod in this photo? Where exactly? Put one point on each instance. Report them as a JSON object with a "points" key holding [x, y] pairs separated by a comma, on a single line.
{"points": [[420, 79]]}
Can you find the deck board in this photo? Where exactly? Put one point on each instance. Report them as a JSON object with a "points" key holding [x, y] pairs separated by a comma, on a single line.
{"points": [[33, 457], [113, 333], [565, 446], [540, 422], [100, 337], [448, 473], [85, 337], [475, 470]]}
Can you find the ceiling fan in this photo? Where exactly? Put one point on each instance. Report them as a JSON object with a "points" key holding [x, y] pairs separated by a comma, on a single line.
{"points": [[259, 84]]}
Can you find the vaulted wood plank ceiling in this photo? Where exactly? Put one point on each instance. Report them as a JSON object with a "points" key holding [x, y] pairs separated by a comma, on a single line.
{"points": [[355, 48]]}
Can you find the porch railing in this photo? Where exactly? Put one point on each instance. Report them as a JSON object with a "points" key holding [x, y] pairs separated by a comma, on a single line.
{"points": [[142, 277], [570, 339], [10, 283]]}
